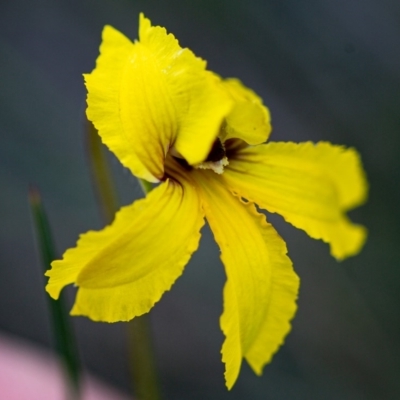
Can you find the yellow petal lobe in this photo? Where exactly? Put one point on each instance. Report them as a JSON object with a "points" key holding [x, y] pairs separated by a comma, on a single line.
{"points": [[200, 102], [310, 185], [249, 119], [124, 269], [151, 95], [261, 287], [106, 100]]}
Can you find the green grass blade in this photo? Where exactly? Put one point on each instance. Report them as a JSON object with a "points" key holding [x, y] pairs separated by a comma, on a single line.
{"points": [[62, 330]]}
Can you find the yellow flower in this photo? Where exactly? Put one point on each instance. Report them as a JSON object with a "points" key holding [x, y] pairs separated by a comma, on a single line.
{"points": [[169, 120]]}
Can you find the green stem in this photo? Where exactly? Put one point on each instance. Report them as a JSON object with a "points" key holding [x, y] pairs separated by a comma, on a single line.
{"points": [[143, 369], [146, 186], [101, 176], [63, 333]]}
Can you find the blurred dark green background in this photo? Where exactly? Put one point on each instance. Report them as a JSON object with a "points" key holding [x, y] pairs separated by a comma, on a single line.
{"points": [[328, 70]]}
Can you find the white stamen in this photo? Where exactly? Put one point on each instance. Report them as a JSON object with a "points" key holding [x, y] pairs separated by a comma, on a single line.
{"points": [[216, 166]]}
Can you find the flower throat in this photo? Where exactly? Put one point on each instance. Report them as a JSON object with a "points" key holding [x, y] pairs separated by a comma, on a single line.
{"points": [[216, 159]]}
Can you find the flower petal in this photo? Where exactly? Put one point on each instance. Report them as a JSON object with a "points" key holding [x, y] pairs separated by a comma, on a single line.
{"points": [[124, 269], [261, 288], [249, 119], [148, 96], [107, 96], [310, 185], [200, 103]]}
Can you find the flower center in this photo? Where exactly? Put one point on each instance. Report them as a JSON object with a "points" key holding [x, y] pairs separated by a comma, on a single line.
{"points": [[216, 159], [217, 152]]}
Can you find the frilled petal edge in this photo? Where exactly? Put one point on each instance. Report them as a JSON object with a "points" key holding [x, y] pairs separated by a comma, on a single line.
{"points": [[310, 185], [124, 269], [261, 289], [151, 95]]}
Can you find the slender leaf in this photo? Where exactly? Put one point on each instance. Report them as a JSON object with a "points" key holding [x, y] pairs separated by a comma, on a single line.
{"points": [[63, 334]]}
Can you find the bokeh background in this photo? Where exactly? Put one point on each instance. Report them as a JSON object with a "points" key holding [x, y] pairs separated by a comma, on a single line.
{"points": [[328, 70]]}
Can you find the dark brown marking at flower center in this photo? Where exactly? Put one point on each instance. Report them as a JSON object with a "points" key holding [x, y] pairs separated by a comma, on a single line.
{"points": [[183, 163], [217, 152]]}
